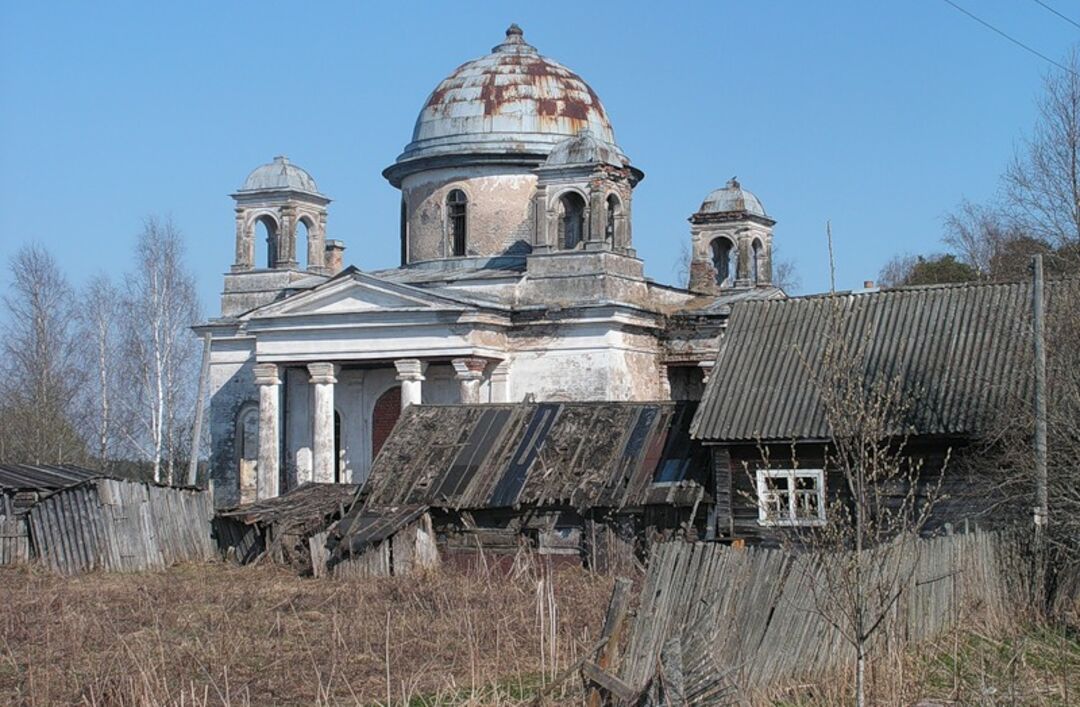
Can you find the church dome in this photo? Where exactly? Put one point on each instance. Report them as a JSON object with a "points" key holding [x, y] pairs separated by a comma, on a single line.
{"points": [[512, 102], [280, 175], [732, 199], [584, 148]]}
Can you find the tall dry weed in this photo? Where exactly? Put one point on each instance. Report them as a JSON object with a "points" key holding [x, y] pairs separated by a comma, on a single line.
{"points": [[222, 635]]}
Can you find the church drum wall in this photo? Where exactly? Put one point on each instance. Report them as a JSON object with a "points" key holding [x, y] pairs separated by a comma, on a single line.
{"points": [[499, 210]]}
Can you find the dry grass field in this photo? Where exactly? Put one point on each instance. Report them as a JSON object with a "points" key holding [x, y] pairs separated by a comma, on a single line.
{"points": [[224, 635]]}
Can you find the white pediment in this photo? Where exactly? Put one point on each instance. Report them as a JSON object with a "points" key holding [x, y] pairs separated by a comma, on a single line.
{"points": [[358, 293]]}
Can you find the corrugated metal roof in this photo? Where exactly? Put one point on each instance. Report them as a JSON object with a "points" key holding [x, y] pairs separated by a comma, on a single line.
{"points": [[43, 476], [960, 353]]}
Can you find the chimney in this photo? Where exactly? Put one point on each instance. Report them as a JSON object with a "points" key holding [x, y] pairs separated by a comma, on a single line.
{"points": [[335, 257]]}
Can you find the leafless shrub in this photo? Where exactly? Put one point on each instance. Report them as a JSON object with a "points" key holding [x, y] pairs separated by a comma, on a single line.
{"points": [[1002, 464]]}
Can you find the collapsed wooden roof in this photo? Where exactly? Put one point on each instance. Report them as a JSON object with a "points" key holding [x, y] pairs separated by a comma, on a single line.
{"points": [[295, 507], [606, 455], [502, 456]]}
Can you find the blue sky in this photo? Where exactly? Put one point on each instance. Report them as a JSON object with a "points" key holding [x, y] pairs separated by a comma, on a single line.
{"points": [[878, 116]]}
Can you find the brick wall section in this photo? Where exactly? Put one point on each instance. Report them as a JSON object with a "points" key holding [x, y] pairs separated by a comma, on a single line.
{"points": [[386, 412]]}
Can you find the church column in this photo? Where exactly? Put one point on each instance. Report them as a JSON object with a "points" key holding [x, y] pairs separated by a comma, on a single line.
{"points": [[745, 254], [266, 377], [322, 417], [411, 374], [500, 382], [597, 221], [541, 222], [245, 251], [470, 371], [286, 254]]}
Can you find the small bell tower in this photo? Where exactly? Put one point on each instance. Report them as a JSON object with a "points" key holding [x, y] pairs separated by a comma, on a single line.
{"points": [[283, 200], [583, 195], [731, 242]]}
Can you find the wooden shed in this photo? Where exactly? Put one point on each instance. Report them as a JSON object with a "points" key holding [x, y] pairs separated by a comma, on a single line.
{"points": [[584, 482], [21, 486], [958, 356]]}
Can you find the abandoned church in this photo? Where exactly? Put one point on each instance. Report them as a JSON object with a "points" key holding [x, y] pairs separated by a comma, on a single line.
{"points": [[518, 281]]}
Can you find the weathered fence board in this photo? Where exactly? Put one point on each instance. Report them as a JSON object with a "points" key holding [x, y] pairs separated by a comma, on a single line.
{"points": [[14, 535]]}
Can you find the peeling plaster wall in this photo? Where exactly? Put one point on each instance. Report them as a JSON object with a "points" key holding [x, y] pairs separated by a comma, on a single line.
{"points": [[231, 386], [499, 212], [587, 361]]}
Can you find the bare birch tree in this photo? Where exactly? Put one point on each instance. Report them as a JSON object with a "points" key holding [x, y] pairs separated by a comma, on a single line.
{"points": [[100, 339], [41, 372], [160, 305]]}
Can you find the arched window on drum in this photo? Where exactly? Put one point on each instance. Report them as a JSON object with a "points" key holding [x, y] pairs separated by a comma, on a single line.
{"points": [[457, 221]]}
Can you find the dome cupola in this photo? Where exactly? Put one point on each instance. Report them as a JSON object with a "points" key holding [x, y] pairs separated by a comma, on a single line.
{"points": [[585, 148], [279, 175], [492, 136], [511, 105], [732, 199]]}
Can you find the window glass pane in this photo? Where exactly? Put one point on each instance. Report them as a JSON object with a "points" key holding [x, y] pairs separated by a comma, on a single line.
{"points": [[776, 483]]}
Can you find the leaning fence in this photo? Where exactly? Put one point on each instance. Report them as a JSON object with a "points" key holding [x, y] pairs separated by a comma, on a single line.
{"points": [[121, 526], [752, 618]]}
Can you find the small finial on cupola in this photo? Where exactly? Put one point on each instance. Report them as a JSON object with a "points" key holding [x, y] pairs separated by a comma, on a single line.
{"points": [[733, 183], [514, 42]]}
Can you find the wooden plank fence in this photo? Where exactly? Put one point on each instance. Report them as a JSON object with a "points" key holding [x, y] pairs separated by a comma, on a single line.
{"points": [[121, 526], [745, 617]]}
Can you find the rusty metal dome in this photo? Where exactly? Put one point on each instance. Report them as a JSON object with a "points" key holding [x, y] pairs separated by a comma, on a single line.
{"points": [[512, 103]]}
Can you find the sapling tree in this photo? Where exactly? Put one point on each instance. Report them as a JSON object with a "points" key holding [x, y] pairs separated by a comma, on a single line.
{"points": [[878, 497]]}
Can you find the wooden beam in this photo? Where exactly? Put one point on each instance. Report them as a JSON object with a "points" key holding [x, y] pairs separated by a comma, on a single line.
{"points": [[612, 631], [614, 686]]}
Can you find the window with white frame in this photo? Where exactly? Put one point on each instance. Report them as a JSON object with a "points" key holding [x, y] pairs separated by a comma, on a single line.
{"points": [[791, 496]]}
